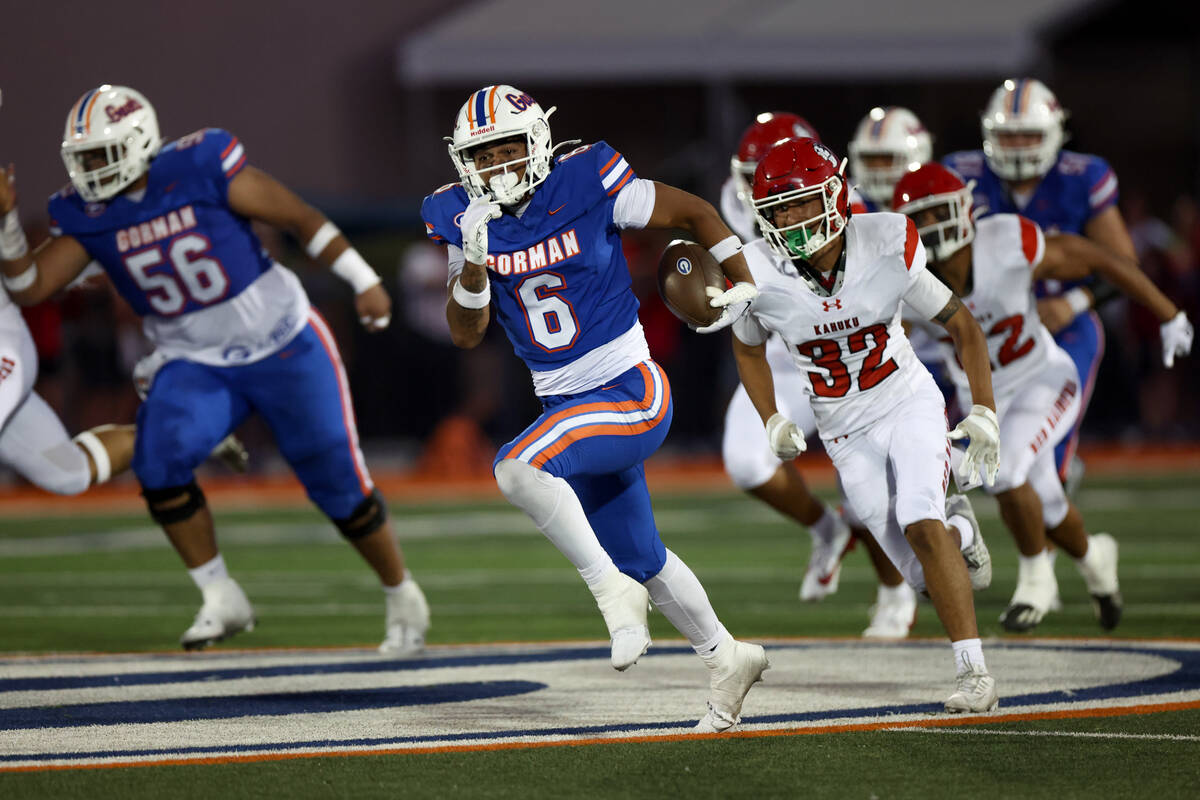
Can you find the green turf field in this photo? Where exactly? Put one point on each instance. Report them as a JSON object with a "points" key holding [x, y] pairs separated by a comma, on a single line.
{"points": [[111, 584]]}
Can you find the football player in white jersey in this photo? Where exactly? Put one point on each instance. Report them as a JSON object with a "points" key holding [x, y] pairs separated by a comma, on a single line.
{"points": [[992, 265], [831, 286], [747, 456]]}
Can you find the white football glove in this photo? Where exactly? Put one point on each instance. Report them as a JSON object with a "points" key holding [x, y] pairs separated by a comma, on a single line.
{"points": [[1176, 336], [983, 429], [474, 228], [786, 438], [733, 302]]}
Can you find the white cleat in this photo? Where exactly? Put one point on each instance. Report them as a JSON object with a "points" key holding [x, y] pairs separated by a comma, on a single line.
{"points": [[974, 690], [977, 556], [406, 622], [624, 603], [825, 563], [225, 611], [232, 453], [1099, 570], [893, 614], [733, 669], [1036, 589]]}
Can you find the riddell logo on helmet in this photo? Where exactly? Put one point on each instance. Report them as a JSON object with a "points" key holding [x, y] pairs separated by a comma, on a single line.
{"points": [[117, 113], [481, 131]]}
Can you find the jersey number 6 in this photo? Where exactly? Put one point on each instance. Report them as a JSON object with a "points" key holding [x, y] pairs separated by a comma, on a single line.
{"points": [[549, 317]]}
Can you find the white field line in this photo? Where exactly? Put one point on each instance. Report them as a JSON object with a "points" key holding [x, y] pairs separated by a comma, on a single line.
{"points": [[1171, 737]]}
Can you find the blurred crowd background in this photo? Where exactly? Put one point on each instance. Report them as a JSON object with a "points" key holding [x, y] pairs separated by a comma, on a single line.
{"points": [[349, 104]]}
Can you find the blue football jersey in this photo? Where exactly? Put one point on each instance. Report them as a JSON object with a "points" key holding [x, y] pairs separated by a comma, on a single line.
{"points": [[1078, 187], [180, 248], [560, 284]]}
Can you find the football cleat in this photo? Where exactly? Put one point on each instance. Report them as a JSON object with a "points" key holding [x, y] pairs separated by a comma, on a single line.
{"points": [[825, 562], [1036, 588], [406, 622], [977, 557], [624, 603], [894, 613], [225, 611], [733, 669], [1100, 575], [974, 690]]}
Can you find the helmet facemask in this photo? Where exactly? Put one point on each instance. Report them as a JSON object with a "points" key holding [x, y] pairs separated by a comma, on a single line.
{"points": [[804, 239], [1027, 107], [114, 124], [951, 231], [510, 114]]}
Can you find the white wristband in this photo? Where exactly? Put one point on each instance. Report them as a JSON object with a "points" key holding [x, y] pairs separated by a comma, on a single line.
{"points": [[468, 299], [354, 270], [23, 281], [321, 239], [1078, 300], [95, 448], [726, 248], [12, 238]]}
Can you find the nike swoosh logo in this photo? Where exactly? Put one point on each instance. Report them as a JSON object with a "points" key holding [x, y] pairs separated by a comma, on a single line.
{"points": [[560, 208]]}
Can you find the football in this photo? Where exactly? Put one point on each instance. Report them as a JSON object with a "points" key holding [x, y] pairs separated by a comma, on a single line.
{"points": [[685, 271]]}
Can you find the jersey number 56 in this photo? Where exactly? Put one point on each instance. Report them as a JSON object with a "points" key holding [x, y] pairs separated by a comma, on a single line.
{"points": [[196, 277]]}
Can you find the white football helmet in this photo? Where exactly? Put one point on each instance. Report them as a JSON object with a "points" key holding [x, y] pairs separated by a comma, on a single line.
{"points": [[489, 115], [1026, 106], [892, 132], [121, 122]]}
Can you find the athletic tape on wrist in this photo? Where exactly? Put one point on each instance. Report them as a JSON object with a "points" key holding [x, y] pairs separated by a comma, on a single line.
{"points": [[321, 239], [13, 244], [468, 299], [94, 448], [1078, 300], [354, 270], [23, 281], [726, 248]]}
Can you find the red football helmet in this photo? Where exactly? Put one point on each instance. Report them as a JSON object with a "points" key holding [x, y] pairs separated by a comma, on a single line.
{"points": [[939, 203], [794, 171], [769, 128]]}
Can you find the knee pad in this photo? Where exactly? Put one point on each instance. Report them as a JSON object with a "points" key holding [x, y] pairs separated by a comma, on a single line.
{"points": [[748, 466], [533, 490], [368, 517], [174, 503]]}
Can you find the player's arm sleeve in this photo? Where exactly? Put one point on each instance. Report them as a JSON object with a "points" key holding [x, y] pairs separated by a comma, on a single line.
{"points": [[634, 205], [1102, 186], [927, 296], [457, 260], [749, 330], [221, 156]]}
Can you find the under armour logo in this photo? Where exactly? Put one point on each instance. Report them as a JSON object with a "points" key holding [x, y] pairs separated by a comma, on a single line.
{"points": [[831, 306]]}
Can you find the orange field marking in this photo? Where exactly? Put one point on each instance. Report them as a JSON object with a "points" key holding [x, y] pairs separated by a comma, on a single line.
{"points": [[941, 722]]}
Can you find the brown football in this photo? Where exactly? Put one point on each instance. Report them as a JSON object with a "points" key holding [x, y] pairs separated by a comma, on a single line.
{"points": [[685, 270]]}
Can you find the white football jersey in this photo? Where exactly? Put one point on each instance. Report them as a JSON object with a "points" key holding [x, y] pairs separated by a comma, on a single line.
{"points": [[1006, 249], [850, 342]]}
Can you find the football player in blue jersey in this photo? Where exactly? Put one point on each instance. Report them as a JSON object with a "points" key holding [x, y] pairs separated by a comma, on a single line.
{"points": [[1023, 169], [171, 226], [535, 239]]}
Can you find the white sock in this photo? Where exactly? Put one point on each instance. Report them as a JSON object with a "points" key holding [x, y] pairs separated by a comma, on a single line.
{"points": [[677, 593], [390, 590], [1027, 564], [555, 510], [209, 573], [825, 528], [966, 533], [893, 594], [968, 653]]}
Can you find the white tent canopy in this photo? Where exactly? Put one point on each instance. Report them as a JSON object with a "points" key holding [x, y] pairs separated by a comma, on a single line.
{"points": [[657, 40]]}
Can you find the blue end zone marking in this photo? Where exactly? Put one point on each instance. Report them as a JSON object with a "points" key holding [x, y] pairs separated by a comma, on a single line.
{"points": [[330, 668], [231, 706], [1185, 678]]}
